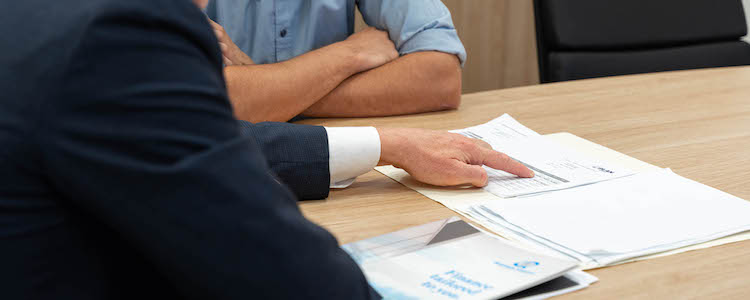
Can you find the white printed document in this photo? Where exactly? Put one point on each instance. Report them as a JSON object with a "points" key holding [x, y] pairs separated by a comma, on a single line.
{"points": [[450, 259], [556, 166], [628, 217], [498, 130]]}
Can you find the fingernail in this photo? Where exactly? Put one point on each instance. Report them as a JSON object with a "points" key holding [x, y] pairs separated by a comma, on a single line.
{"points": [[223, 46]]}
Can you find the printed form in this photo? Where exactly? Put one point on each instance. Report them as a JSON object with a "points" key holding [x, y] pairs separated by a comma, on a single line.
{"points": [[556, 167]]}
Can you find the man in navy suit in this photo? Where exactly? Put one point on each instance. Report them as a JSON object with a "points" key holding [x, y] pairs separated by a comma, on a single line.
{"points": [[124, 175]]}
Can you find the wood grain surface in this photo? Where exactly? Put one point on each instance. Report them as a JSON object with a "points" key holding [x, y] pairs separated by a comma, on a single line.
{"points": [[695, 122]]}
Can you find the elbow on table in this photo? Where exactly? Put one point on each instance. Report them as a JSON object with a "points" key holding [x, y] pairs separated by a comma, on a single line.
{"points": [[448, 89]]}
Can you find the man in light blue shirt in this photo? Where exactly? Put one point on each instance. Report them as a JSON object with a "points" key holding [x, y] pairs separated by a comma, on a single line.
{"points": [[290, 57]]}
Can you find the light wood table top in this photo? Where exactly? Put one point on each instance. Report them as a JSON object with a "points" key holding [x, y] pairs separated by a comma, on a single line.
{"points": [[695, 122]]}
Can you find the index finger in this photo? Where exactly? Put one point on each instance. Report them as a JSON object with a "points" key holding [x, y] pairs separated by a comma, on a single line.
{"points": [[501, 161]]}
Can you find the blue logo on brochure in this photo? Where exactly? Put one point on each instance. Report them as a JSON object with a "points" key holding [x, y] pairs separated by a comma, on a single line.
{"points": [[526, 264], [521, 266]]}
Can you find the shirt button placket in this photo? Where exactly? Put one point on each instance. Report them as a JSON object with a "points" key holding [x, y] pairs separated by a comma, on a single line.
{"points": [[283, 19]]}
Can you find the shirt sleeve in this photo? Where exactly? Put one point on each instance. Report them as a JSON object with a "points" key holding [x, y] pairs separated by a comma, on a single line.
{"points": [[142, 138], [353, 151], [415, 25]]}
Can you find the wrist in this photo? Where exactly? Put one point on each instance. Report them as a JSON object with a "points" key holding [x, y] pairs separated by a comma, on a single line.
{"points": [[391, 143], [350, 55]]}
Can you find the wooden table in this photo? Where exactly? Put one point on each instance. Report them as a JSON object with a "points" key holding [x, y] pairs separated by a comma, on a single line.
{"points": [[695, 122]]}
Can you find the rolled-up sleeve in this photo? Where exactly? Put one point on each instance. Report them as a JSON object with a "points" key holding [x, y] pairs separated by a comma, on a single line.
{"points": [[415, 25]]}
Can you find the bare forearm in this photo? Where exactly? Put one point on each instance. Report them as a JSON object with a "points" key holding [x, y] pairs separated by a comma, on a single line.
{"points": [[414, 83], [278, 92]]}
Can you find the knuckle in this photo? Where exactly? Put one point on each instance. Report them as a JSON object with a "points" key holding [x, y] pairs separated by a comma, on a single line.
{"points": [[469, 146], [463, 144], [483, 144]]}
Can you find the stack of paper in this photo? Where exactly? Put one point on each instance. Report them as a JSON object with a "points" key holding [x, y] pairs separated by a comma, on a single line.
{"points": [[590, 204], [450, 259], [616, 220]]}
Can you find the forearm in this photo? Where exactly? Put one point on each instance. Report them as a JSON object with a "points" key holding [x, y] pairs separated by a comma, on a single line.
{"points": [[278, 92], [414, 83], [303, 165]]}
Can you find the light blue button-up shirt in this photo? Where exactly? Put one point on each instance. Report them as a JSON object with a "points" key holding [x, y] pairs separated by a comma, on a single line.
{"points": [[271, 31]]}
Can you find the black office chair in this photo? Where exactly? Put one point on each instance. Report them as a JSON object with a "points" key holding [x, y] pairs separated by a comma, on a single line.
{"points": [[579, 39]]}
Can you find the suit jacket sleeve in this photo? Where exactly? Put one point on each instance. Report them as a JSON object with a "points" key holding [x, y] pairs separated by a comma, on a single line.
{"points": [[298, 155], [142, 137]]}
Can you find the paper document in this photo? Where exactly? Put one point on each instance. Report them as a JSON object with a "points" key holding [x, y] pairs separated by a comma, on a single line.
{"points": [[633, 216], [498, 130], [556, 166], [450, 259], [470, 203]]}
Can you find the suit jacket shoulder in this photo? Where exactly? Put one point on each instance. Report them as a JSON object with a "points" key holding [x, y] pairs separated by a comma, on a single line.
{"points": [[123, 174]]}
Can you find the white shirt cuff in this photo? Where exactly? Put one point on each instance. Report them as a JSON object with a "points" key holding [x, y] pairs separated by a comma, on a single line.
{"points": [[352, 151]]}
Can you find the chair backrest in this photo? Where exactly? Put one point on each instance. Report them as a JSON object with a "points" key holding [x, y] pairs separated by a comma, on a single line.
{"points": [[605, 30]]}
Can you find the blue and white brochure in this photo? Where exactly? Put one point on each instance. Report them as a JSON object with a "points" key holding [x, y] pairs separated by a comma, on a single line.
{"points": [[450, 259]]}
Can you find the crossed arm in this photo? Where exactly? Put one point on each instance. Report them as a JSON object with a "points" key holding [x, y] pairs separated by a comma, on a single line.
{"points": [[414, 83], [359, 77]]}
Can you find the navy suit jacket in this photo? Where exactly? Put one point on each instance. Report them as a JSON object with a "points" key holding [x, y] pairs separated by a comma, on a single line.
{"points": [[124, 175]]}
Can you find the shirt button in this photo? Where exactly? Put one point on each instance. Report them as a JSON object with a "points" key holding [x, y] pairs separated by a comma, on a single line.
{"points": [[282, 33]]}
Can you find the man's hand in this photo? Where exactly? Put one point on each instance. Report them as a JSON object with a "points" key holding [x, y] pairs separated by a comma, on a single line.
{"points": [[232, 54], [372, 48], [442, 158]]}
